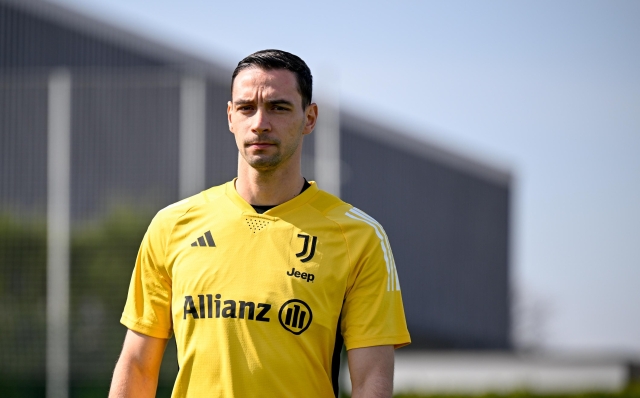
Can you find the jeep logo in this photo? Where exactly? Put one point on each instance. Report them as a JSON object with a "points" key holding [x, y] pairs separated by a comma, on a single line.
{"points": [[302, 275], [295, 316]]}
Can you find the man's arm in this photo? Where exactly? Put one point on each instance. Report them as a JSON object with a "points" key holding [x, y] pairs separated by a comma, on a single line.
{"points": [[371, 370], [137, 370]]}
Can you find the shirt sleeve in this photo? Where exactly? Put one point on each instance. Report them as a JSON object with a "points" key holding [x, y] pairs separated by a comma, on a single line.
{"points": [[372, 313], [148, 306]]}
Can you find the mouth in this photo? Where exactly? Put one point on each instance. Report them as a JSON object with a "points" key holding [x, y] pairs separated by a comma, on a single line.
{"points": [[260, 145]]}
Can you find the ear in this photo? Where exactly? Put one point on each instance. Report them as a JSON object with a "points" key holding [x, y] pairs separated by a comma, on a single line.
{"points": [[229, 109], [311, 117]]}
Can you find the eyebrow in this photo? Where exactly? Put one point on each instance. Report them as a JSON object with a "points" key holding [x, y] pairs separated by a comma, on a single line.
{"points": [[279, 101], [242, 102]]}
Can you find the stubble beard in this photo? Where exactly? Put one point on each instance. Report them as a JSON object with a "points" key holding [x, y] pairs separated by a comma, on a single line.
{"points": [[265, 162]]}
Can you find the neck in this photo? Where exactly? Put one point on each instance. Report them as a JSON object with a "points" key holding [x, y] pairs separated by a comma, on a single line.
{"points": [[268, 187]]}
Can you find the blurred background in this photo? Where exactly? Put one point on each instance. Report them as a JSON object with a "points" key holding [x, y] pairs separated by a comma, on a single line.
{"points": [[498, 143]]}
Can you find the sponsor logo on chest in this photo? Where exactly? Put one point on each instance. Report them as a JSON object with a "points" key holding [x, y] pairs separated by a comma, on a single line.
{"points": [[294, 315], [302, 275]]}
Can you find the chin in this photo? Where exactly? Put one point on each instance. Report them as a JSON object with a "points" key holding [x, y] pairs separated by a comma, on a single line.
{"points": [[264, 163]]}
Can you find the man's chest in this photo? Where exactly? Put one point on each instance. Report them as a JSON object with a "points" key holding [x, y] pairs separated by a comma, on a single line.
{"points": [[244, 266]]}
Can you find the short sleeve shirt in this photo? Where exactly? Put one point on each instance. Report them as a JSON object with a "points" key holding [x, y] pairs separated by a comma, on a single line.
{"points": [[259, 303]]}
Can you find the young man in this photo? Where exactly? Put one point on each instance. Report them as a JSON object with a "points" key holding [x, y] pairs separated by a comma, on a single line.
{"points": [[262, 279]]}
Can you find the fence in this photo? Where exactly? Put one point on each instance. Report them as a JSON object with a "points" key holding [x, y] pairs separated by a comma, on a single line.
{"points": [[87, 156]]}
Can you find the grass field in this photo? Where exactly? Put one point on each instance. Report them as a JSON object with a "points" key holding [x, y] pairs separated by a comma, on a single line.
{"points": [[24, 389]]}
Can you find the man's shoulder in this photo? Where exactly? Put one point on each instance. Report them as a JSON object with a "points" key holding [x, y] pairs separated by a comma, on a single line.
{"points": [[349, 217], [174, 211]]}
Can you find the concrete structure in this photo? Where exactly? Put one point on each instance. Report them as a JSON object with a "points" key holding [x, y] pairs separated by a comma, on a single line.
{"points": [[478, 373]]}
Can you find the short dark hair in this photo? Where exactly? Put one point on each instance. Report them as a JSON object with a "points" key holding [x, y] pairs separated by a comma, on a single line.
{"points": [[278, 59]]}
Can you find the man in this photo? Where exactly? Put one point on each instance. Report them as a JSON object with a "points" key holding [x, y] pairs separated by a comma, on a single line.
{"points": [[263, 278]]}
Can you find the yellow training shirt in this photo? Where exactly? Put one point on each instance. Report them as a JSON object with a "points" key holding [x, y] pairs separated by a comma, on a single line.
{"points": [[259, 303]]}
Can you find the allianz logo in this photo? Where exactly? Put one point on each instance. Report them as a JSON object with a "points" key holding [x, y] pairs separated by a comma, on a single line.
{"points": [[295, 315], [224, 309]]}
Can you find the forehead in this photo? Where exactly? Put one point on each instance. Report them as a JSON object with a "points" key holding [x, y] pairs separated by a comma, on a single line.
{"points": [[274, 82]]}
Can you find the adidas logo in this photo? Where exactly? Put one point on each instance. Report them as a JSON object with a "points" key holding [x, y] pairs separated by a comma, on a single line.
{"points": [[205, 240]]}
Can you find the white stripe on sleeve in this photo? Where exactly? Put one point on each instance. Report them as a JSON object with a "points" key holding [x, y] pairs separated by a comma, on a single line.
{"points": [[392, 274]]}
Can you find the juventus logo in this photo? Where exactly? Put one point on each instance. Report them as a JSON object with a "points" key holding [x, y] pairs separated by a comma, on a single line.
{"points": [[306, 253]]}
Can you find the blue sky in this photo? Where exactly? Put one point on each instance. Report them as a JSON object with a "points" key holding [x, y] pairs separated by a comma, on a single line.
{"points": [[549, 90]]}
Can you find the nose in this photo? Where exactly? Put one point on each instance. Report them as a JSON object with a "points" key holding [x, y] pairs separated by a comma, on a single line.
{"points": [[260, 122]]}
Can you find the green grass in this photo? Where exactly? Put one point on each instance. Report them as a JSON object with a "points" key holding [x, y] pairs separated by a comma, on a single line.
{"points": [[31, 389], [632, 391]]}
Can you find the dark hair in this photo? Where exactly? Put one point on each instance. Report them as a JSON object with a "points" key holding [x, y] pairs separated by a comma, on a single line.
{"points": [[278, 59]]}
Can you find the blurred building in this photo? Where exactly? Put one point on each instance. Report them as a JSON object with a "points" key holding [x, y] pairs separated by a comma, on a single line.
{"points": [[502, 373], [446, 215]]}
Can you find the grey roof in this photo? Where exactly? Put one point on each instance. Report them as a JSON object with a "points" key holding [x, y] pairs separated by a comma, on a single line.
{"points": [[110, 33], [424, 148]]}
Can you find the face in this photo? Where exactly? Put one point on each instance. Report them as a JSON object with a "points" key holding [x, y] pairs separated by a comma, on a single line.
{"points": [[266, 116]]}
